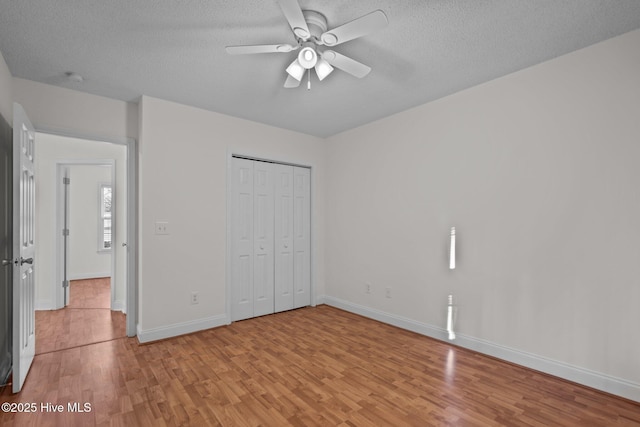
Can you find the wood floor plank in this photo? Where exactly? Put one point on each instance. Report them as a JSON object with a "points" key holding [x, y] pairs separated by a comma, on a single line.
{"points": [[87, 319], [312, 366]]}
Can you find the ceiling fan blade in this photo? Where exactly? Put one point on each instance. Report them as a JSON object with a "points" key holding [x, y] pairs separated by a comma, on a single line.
{"points": [[293, 13], [357, 28], [346, 64], [263, 48], [291, 82]]}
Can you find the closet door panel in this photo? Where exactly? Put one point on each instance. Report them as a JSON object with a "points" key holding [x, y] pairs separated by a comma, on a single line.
{"points": [[242, 240], [302, 237], [283, 238], [263, 277]]}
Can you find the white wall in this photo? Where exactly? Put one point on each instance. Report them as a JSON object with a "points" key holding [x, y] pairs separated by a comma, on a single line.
{"points": [[51, 107], [6, 92], [51, 149], [538, 171], [183, 174], [85, 261]]}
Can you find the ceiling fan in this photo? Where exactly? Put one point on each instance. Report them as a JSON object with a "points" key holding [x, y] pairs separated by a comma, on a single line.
{"points": [[312, 35]]}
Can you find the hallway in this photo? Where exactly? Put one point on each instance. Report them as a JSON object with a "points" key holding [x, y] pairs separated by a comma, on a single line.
{"points": [[86, 320]]}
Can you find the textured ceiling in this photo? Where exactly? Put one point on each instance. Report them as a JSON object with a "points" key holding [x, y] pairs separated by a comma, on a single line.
{"points": [[174, 50]]}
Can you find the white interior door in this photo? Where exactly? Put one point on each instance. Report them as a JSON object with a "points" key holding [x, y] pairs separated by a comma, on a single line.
{"points": [[263, 238], [6, 247], [242, 246], [24, 336], [283, 238], [66, 181], [301, 237]]}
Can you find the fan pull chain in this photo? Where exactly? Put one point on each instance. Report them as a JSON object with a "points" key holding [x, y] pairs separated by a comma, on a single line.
{"points": [[309, 79]]}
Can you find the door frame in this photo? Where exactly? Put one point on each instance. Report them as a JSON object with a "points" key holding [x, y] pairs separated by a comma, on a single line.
{"points": [[245, 154], [131, 304], [60, 167]]}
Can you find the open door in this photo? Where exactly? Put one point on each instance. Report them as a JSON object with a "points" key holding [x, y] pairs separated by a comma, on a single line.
{"points": [[66, 181], [24, 319], [6, 247]]}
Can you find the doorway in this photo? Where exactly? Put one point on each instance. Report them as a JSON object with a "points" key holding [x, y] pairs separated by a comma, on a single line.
{"points": [[87, 210], [83, 242]]}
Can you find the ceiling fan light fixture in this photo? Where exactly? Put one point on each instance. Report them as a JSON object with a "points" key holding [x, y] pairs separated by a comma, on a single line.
{"points": [[323, 69], [311, 32], [307, 58], [296, 70]]}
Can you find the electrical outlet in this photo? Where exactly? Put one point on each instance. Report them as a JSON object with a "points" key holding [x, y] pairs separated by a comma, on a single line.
{"points": [[194, 298], [388, 292], [367, 288], [162, 227]]}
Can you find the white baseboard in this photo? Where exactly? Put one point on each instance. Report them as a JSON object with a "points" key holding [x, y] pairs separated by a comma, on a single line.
{"points": [[85, 276], [44, 304], [589, 378], [118, 305], [174, 330]]}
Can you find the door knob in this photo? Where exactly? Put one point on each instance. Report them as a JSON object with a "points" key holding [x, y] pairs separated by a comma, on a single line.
{"points": [[7, 262], [262, 247], [26, 261], [286, 246], [124, 244]]}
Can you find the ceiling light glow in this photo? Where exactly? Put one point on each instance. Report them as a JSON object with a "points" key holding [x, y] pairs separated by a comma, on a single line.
{"points": [[307, 58]]}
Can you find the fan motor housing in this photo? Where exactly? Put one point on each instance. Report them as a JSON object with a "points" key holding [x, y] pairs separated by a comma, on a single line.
{"points": [[316, 22]]}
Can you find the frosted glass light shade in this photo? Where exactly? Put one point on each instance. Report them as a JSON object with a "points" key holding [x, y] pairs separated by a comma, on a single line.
{"points": [[296, 70], [323, 69]]}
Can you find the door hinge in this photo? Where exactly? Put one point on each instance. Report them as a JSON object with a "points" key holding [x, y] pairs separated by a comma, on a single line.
{"points": [[65, 231], [66, 181], [65, 283]]}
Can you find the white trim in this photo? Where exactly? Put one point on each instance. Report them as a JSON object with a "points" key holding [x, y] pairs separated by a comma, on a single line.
{"points": [[131, 208], [86, 276], [44, 304], [233, 152], [589, 378], [177, 329], [227, 280], [119, 305]]}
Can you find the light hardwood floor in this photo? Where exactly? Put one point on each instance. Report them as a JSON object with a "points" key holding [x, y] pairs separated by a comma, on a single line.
{"points": [[87, 318], [312, 366]]}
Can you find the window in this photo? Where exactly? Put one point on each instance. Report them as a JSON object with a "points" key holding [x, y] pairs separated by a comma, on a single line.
{"points": [[104, 222]]}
